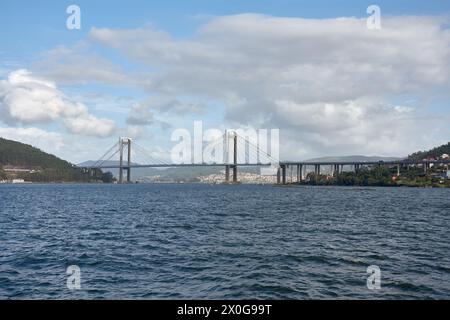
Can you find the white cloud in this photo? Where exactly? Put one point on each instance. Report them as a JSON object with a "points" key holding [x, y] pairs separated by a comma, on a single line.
{"points": [[325, 83], [140, 115], [26, 99], [78, 65], [89, 125], [135, 132]]}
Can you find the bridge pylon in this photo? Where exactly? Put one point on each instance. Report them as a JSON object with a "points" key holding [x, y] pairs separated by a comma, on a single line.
{"points": [[124, 142], [235, 157]]}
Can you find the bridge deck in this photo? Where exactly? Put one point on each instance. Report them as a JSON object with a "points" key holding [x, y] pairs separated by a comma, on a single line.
{"points": [[284, 163], [392, 162]]}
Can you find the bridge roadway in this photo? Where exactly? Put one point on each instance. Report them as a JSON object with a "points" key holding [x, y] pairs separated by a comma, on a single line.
{"points": [[280, 164], [336, 166], [169, 165], [367, 163]]}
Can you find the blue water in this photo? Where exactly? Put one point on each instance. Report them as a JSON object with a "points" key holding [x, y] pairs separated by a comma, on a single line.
{"points": [[230, 242]]}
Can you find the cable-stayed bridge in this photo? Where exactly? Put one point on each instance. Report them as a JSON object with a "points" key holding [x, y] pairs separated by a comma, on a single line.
{"points": [[233, 151]]}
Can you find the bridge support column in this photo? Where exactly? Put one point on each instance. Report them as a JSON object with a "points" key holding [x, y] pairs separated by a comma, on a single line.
{"points": [[283, 174], [235, 159], [124, 142], [129, 161], [279, 175], [232, 166], [235, 174], [317, 169], [120, 160]]}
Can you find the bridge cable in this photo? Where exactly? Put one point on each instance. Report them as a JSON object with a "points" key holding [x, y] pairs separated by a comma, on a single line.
{"points": [[104, 155]]}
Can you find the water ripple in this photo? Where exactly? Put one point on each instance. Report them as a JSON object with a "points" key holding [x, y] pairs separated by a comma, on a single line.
{"points": [[223, 242]]}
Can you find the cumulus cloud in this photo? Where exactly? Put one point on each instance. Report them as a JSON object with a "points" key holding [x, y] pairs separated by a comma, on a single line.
{"points": [[26, 99], [176, 106], [140, 115], [307, 59], [89, 125], [326, 82], [78, 65]]}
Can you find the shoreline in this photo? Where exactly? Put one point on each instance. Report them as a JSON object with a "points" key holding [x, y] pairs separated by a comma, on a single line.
{"points": [[287, 185]]}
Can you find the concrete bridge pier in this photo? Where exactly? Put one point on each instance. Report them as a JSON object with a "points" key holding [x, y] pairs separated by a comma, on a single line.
{"points": [[283, 174], [335, 170], [234, 165], [299, 173], [317, 169], [235, 158], [129, 161], [122, 143], [279, 175]]}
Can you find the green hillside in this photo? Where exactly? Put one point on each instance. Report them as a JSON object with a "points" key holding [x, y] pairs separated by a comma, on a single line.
{"points": [[434, 153], [47, 167]]}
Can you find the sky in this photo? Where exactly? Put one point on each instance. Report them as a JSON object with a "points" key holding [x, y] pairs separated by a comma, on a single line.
{"points": [[313, 70]]}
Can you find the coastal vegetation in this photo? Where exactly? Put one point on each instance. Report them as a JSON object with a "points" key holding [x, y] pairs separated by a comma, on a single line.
{"points": [[383, 175]]}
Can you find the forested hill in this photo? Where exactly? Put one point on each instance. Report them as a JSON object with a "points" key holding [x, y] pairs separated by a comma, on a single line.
{"points": [[20, 154], [433, 153], [46, 167]]}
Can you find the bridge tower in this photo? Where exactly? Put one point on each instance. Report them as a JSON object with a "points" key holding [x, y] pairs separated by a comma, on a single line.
{"points": [[124, 143], [234, 165]]}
